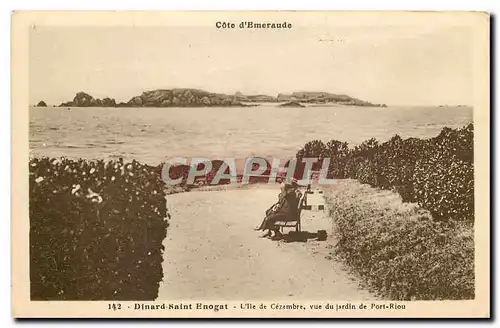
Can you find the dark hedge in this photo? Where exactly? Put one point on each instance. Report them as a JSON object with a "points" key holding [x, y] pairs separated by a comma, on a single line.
{"points": [[96, 230]]}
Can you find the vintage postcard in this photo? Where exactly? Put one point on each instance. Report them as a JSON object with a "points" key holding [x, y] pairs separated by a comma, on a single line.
{"points": [[251, 164]]}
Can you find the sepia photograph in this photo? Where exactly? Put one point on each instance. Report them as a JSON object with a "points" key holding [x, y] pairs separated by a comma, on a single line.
{"points": [[251, 164]]}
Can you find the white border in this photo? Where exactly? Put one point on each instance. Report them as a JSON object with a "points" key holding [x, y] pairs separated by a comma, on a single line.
{"points": [[5, 140]]}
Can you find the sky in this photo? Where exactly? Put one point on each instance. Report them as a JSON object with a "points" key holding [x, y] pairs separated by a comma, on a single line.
{"points": [[392, 64]]}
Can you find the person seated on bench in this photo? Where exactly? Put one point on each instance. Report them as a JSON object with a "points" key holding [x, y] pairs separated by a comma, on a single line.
{"points": [[284, 210]]}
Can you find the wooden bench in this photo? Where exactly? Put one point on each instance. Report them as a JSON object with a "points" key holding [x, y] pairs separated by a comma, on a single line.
{"points": [[295, 223]]}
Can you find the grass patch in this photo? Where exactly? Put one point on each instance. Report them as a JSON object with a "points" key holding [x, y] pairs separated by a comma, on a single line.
{"points": [[397, 248]]}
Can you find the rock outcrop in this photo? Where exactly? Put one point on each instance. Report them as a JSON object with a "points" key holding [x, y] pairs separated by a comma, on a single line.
{"points": [[83, 99], [41, 104], [184, 98]]}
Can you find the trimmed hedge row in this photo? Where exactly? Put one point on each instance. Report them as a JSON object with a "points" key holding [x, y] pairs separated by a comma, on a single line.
{"points": [[436, 173], [404, 255], [96, 230]]}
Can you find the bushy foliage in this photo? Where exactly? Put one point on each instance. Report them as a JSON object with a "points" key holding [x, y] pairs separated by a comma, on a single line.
{"points": [[403, 255], [96, 230], [339, 151], [313, 149], [437, 173]]}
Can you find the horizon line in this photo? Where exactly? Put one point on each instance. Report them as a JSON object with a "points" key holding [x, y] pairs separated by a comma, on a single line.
{"points": [[268, 94]]}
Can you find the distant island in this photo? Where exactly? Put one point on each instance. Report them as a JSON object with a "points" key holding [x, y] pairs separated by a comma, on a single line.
{"points": [[185, 97], [325, 98], [444, 106], [161, 98]]}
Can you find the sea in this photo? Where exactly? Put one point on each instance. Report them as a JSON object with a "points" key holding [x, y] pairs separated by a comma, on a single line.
{"points": [[150, 135]]}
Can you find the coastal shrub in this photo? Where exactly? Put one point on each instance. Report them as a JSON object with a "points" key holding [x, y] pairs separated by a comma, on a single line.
{"points": [[445, 186], [313, 149], [339, 151], [404, 255], [96, 230], [437, 173]]}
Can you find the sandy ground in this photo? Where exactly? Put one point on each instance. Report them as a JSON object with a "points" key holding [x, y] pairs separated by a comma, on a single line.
{"points": [[212, 252]]}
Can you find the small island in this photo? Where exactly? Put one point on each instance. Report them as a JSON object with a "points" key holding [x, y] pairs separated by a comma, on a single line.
{"points": [[41, 104], [83, 99], [313, 97]]}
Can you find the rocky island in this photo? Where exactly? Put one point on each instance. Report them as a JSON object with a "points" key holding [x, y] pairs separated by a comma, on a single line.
{"points": [[325, 98], [186, 97], [41, 103], [161, 98], [83, 99]]}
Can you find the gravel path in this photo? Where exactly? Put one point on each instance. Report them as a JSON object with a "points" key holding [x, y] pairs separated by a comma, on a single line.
{"points": [[213, 253]]}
